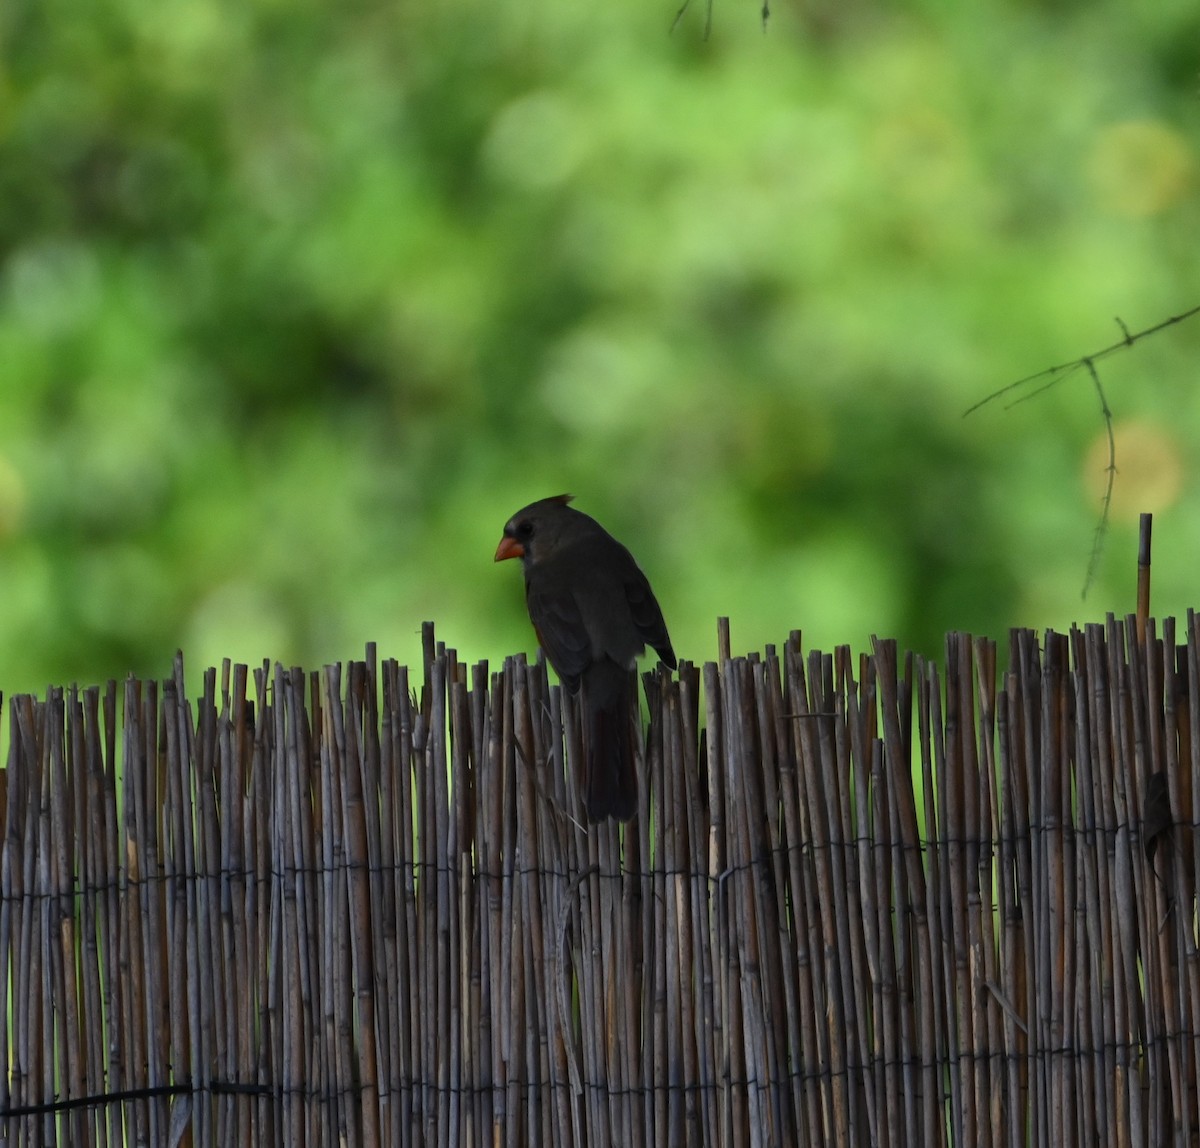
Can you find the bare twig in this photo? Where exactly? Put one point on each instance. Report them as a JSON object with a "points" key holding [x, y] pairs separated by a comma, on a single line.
{"points": [[1111, 470], [708, 14], [1052, 376], [1056, 374]]}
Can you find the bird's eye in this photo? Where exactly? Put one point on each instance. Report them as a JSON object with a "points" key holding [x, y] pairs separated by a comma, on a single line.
{"points": [[524, 529]]}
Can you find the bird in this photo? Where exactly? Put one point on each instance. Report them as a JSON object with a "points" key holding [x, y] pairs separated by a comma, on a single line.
{"points": [[594, 613], [1156, 815]]}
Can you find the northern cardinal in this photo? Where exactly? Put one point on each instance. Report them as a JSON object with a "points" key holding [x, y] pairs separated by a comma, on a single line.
{"points": [[594, 613]]}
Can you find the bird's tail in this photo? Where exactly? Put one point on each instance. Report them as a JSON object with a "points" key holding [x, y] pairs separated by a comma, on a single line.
{"points": [[609, 776]]}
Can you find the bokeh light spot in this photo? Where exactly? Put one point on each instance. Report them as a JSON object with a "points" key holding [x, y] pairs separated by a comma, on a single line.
{"points": [[1149, 469], [1140, 168]]}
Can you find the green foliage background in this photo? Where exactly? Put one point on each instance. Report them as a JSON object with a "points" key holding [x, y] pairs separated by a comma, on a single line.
{"points": [[298, 302]]}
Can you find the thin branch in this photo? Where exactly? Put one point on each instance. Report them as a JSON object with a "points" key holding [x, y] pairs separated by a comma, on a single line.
{"points": [[1102, 526], [1063, 370], [1044, 387], [1051, 376], [708, 16]]}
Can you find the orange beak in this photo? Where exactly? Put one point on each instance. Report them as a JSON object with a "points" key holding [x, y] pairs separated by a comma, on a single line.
{"points": [[509, 548]]}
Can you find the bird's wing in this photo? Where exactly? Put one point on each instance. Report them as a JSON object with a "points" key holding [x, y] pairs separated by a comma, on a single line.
{"points": [[561, 632], [647, 614]]}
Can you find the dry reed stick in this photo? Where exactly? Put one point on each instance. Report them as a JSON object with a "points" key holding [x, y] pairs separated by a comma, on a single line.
{"points": [[1129, 1026]]}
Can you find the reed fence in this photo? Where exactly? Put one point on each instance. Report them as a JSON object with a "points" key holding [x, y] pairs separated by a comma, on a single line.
{"points": [[866, 900]]}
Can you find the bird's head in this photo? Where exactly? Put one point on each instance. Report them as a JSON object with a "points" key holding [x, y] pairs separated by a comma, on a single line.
{"points": [[534, 532]]}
